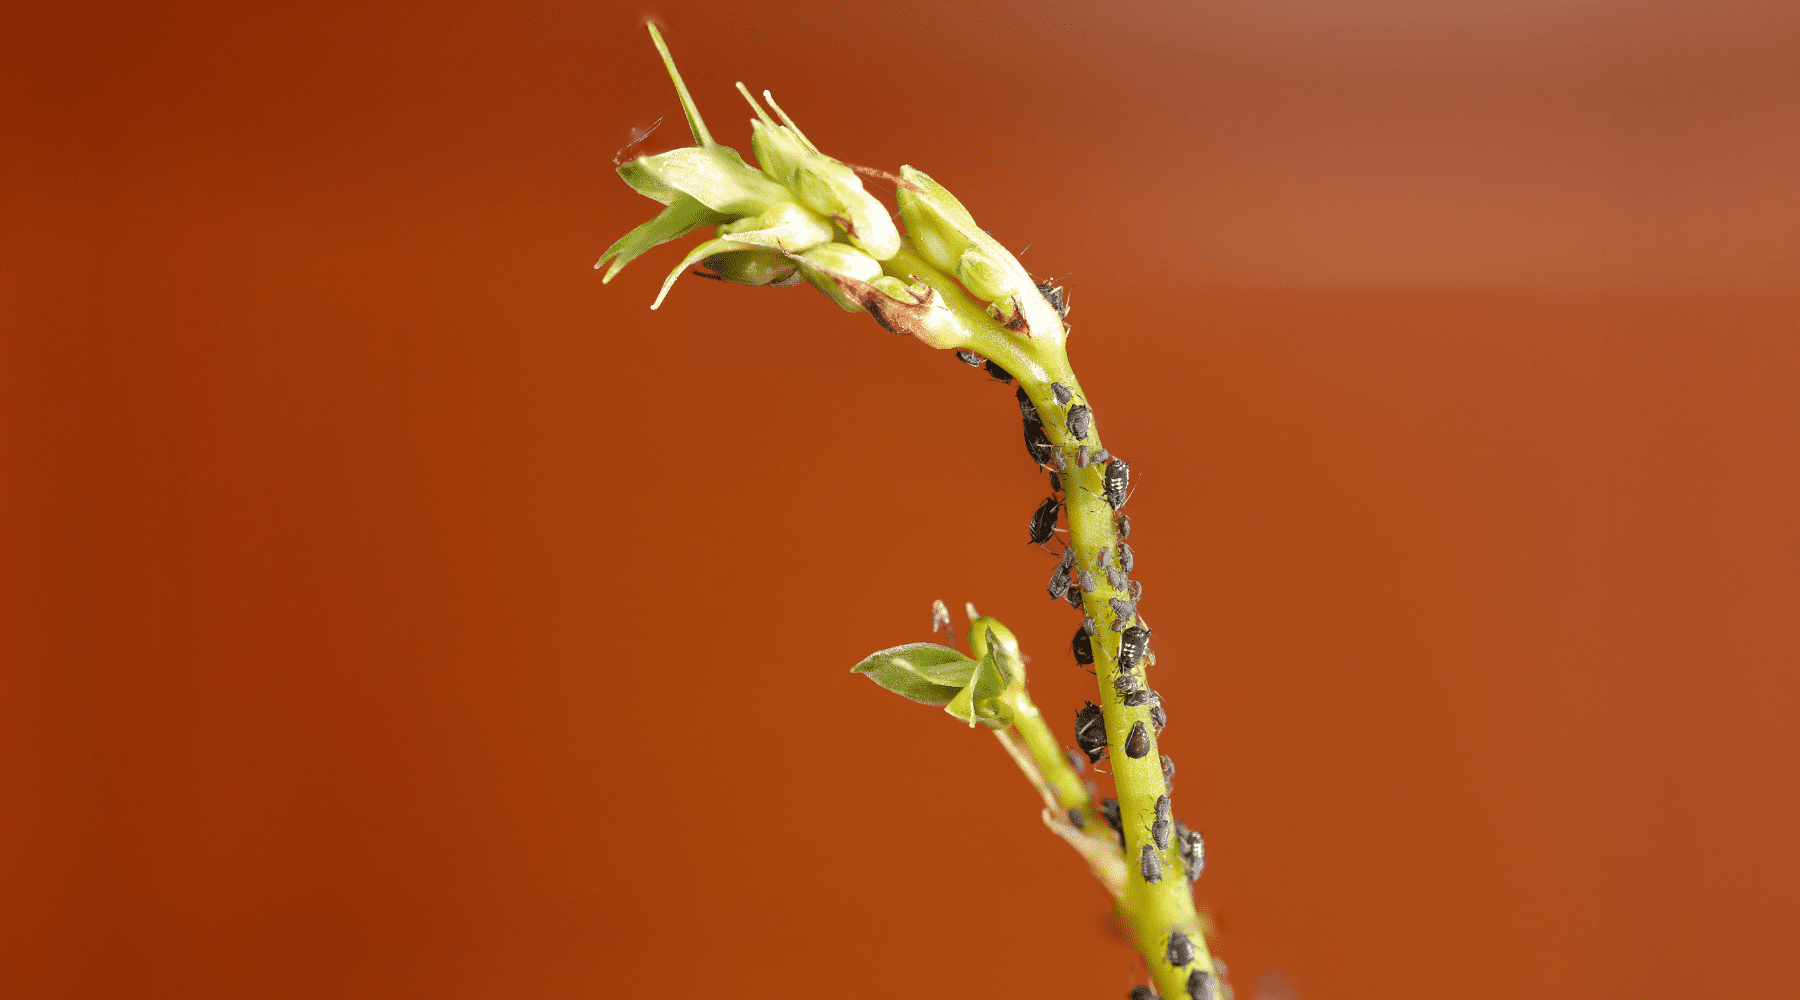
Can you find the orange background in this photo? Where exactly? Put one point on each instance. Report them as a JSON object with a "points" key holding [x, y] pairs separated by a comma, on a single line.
{"points": [[392, 610]]}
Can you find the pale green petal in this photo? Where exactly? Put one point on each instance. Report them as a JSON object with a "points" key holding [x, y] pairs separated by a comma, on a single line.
{"points": [[699, 254], [683, 216]]}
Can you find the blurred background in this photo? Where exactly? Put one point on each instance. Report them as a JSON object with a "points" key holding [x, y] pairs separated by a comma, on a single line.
{"points": [[392, 610]]}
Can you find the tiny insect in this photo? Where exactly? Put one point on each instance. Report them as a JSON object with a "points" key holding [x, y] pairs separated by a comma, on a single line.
{"points": [[1127, 561], [1081, 420], [998, 372], [1074, 598], [1135, 591], [1081, 457], [1168, 767], [1149, 865], [1116, 578], [1083, 647], [1087, 625], [970, 358], [1118, 480], [1162, 806], [1076, 819], [1124, 528], [1199, 985], [1159, 832], [1062, 393], [1132, 644], [1053, 294], [1180, 950], [1059, 584], [1037, 443], [1138, 697], [1043, 521], [1142, 993], [1087, 581], [1101, 556], [1057, 462], [1125, 684], [1090, 731], [1103, 456], [1158, 717], [1121, 608], [1137, 742], [1193, 853], [1077, 759], [1055, 483], [1026, 410], [1109, 811]]}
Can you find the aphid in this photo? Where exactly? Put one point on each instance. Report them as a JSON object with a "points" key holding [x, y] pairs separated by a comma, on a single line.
{"points": [[1087, 625], [1077, 759], [1149, 865], [1159, 832], [1133, 643], [1180, 950], [1043, 520], [1037, 443], [1081, 457], [1199, 985], [1193, 853], [1074, 598], [1138, 697], [1026, 410], [1121, 608], [1102, 456], [1142, 993], [1076, 819], [1090, 731], [998, 372], [1109, 811], [1081, 420], [1124, 528], [1062, 393], [970, 358], [1116, 578], [1124, 684], [1057, 462], [1127, 561], [1083, 647], [1136, 590], [1162, 806], [1087, 581], [1053, 294], [1118, 625], [1055, 483], [1117, 480], [1059, 584], [1101, 556], [1158, 717], [1137, 742], [1168, 767]]}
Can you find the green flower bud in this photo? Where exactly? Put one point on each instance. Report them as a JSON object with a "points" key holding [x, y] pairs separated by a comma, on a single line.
{"points": [[825, 263], [989, 276], [753, 267], [939, 224], [786, 226], [830, 188], [715, 176], [778, 151]]}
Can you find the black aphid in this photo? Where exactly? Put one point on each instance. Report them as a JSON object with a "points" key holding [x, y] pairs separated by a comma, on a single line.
{"points": [[1149, 865], [1083, 647], [1121, 608], [1135, 591], [1062, 393], [1076, 819], [1159, 832], [1055, 483], [1127, 561], [1074, 598], [1158, 717], [1118, 480], [1037, 443], [1077, 759], [1137, 742], [1133, 643], [1081, 419], [1090, 731], [1059, 584], [1142, 993], [1124, 684], [1026, 410], [1087, 581], [1180, 950], [1199, 985], [1168, 774], [998, 372], [1101, 556], [1109, 811], [1124, 526], [1138, 697], [1053, 294], [970, 358], [1043, 521]]}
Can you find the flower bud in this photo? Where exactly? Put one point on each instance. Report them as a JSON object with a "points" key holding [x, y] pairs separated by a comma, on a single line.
{"points": [[820, 264], [715, 176], [786, 226], [939, 224], [778, 151], [988, 275], [753, 267], [830, 188]]}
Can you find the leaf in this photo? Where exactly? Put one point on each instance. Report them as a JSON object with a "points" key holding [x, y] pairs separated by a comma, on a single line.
{"points": [[976, 702], [925, 672], [683, 216], [715, 176]]}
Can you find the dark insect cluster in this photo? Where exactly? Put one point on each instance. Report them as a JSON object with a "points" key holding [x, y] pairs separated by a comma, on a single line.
{"points": [[1037, 443], [999, 374], [1090, 731]]}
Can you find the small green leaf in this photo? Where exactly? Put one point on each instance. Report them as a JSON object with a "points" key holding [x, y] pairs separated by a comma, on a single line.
{"points": [[978, 702], [925, 672], [683, 216]]}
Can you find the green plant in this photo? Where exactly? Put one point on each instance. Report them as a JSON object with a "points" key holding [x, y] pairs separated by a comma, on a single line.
{"points": [[803, 216]]}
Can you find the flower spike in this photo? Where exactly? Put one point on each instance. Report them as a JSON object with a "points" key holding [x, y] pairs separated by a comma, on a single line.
{"points": [[695, 125]]}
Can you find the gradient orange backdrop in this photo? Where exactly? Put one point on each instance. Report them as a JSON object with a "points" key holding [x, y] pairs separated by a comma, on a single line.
{"points": [[391, 610]]}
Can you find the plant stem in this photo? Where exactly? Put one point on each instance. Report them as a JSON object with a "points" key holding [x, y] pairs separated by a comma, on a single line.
{"points": [[1151, 910]]}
